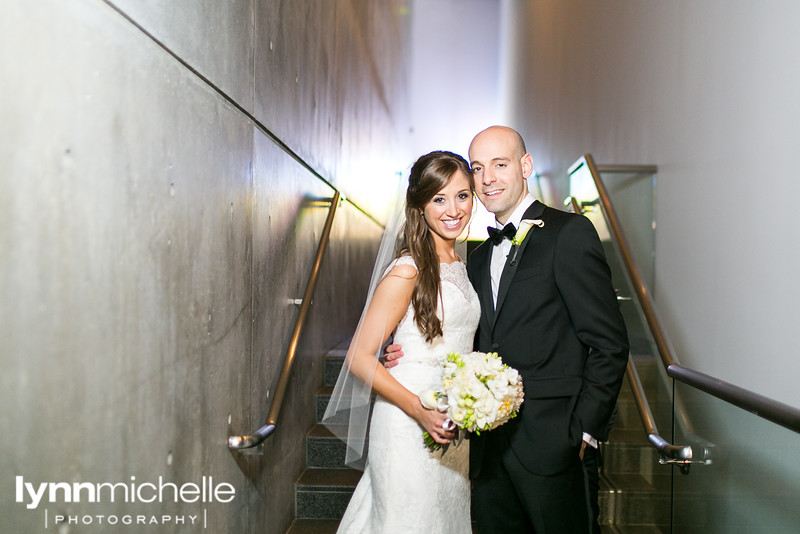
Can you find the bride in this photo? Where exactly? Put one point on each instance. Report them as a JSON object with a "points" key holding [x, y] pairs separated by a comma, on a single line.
{"points": [[425, 297]]}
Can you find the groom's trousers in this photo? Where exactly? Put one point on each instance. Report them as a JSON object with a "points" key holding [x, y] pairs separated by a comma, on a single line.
{"points": [[591, 464], [509, 499]]}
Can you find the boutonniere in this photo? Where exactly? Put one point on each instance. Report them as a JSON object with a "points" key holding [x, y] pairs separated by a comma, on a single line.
{"points": [[524, 227]]}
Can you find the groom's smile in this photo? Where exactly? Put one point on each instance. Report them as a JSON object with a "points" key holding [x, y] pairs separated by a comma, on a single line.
{"points": [[493, 193]]}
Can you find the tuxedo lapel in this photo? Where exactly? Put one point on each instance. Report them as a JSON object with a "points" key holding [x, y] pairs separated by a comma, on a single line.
{"points": [[514, 258], [510, 268], [486, 289]]}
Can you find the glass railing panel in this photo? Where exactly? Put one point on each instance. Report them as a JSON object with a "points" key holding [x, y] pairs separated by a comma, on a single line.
{"points": [[632, 194], [753, 482]]}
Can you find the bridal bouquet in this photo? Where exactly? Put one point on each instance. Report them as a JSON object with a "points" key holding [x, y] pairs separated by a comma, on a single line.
{"points": [[478, 392]]}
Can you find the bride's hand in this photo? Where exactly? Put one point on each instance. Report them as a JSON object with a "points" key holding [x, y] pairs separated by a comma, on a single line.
{"points": [[434, 423]]}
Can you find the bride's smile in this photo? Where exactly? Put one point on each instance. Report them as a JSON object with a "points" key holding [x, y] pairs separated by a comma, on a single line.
{"points": [[449, 211]]}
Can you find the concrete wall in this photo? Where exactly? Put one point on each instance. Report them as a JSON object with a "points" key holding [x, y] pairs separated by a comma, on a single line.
{"points": [[152, 234], [707, 91]]}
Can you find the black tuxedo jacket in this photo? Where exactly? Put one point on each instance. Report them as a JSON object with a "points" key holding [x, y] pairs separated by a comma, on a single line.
{"points": [[557, 321]]}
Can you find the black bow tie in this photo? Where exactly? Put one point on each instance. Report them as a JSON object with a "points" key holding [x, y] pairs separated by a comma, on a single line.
{"points": [[496, 236]]}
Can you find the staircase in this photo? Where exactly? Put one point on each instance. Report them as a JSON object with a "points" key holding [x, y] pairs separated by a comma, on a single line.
{"points": [[634, 487], [324, 488]]}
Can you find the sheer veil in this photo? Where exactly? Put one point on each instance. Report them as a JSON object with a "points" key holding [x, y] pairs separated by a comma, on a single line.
{"points": [[350, 406]]}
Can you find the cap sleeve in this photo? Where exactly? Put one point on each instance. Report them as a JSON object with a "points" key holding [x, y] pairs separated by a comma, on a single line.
{"points": [[402, 260]]}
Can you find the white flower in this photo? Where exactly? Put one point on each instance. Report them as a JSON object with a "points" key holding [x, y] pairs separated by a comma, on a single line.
{"points": [[476, 388], [493, 363], [428, 399], [512, 375], [457, 415], [522, 231], [485, 406], [433, 400], [499, 386]]}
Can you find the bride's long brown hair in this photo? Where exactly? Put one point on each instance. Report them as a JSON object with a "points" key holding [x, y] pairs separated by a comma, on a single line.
{"points": [[429, 175]]}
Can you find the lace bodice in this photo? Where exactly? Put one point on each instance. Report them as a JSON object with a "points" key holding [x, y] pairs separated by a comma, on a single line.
{"points": [[459, 310]]}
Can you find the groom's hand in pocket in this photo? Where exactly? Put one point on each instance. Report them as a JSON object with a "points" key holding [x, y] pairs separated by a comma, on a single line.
{"points": [[392, 354]]}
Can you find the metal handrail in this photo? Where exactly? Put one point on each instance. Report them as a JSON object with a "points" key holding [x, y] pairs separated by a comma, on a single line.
{"points": [[769, 409], [662, 345], [674, 453], [258, 437], [633, 169]]}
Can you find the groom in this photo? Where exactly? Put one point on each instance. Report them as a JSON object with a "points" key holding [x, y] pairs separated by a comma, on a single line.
{"points": [[549, 309]]}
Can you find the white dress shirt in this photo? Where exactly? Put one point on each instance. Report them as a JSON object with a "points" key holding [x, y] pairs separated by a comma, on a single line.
{"points": [[500, 252]]}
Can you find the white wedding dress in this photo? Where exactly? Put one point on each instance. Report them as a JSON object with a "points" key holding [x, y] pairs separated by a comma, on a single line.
{"points": [[404, 488]]}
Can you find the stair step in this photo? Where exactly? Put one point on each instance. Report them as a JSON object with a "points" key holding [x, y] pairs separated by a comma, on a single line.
{"points": [[654, 392], [324, 449], [313, 526], [631, 436], [634, 529], [324, 493], [621, 458], [628, 417], [628, 501], [636, 482], [332, 365], [323, 398], [650, 375]]}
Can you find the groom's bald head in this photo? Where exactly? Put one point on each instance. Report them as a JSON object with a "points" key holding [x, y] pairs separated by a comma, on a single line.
{"points": [[500, 167], [509, 135]]}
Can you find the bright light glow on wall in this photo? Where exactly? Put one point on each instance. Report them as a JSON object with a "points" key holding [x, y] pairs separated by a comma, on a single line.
{"points": [[455, 89]]}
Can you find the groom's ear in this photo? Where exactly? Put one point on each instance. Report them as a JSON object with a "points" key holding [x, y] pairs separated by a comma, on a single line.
{"points": [[527, 165]]}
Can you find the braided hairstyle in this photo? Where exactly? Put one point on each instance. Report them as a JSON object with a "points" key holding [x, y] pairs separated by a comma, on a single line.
{"points": [[429, 175]]}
